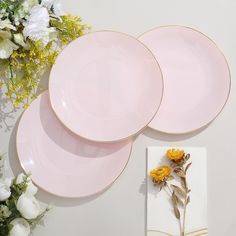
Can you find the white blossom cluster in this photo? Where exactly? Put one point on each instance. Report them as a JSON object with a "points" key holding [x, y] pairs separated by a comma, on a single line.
{"points": [[25, 203], [29, 20]]}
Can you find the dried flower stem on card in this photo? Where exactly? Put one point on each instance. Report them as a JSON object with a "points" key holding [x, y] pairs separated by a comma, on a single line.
{"points": [[180, 195]]}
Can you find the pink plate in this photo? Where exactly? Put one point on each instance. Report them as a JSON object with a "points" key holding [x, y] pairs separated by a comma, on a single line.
{"points": [[106, 86], [61, 162], [196, 78]]}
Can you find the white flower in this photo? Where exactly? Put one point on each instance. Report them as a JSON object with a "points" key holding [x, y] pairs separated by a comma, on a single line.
{"points": [[51, 36], [20, 227], [37, 25], [4, 211], [19, 39], [6, 24], [5, 190], [24, 10], [28, 206], [31, 188], [3, 13], [55, 5], [6, 45]]}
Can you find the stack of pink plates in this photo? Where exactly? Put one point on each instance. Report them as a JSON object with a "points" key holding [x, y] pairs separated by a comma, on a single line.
{"points": [[106, 87], [76, 139]]}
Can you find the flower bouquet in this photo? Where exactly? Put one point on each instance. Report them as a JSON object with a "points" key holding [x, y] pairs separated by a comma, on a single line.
{"points": [[32, 33], [19, 209]]}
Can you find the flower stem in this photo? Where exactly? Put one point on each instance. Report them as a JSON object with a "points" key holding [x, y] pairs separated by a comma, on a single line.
{"points": [[179, 220], [184, 215], [185, 209], [180, 228]]}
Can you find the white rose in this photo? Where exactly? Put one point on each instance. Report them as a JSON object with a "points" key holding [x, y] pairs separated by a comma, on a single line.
{"points": [[55, 5], [5, 189], [28, 206], [37, 25], [20, 227], [31, 188]]}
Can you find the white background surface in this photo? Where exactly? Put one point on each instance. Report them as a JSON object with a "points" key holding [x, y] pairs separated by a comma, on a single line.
{"points": [[120, 211]]}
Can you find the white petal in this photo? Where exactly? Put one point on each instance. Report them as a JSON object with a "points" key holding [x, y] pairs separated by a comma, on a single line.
{"points": [[6, 24], [20, 178], [6, 48], [31, 189], [53, 34], [4, 194], [8, 182], [19, 39], [4, 35], [5, 191], [36, 28], [20, 227], [28, 206], [39, 15]]}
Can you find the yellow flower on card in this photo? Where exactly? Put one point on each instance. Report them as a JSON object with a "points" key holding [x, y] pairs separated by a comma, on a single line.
{"points": [[176, 155], [160, 174]]}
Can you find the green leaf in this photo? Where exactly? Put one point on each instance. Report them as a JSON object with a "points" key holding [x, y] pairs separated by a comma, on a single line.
{"points": [[10, 227], [187, 157]]}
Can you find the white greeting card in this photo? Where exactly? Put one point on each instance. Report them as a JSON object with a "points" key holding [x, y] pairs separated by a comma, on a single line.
{"points": [[161, 219]]}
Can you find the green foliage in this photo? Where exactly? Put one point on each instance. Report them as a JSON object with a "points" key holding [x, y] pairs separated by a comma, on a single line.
{"points": [[69, 28], [22, 72], [10, 7]]}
